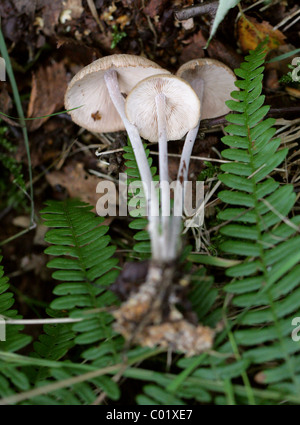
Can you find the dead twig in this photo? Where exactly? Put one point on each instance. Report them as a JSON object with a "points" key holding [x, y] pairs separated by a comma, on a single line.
{"points": [[208, 8], [93, 10]]}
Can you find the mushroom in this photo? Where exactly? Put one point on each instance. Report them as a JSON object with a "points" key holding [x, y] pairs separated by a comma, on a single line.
{"points": [[89, 88], [213, 82], [98, 91], [163, 107]]}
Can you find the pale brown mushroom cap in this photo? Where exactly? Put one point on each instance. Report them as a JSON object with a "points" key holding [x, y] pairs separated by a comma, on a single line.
{"points": [[88, 88], [218, 84], [182, 106]]}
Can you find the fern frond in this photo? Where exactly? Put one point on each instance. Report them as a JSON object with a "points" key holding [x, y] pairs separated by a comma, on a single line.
{"points": [[266, 284], [85, 267], [12, 378], [85, 264]]}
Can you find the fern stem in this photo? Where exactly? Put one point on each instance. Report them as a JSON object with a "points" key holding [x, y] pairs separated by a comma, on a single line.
{"points": [[179, 380], [83, 268], [211, 385], [46, 389], [41, 321], [249, 391], [17, 235], [229, 392]]}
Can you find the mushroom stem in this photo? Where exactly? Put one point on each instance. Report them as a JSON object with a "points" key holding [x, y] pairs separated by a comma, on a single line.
{"points": [[183, 170], [186, 154], [180, 188], [111, 81], [190, 139], [160, 101]]}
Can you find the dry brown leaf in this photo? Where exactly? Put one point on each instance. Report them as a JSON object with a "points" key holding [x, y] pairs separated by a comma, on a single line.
{"points": [[216, 50], [5, 105], [250, 33], [194, 49], [154, 8], [75, 6], [5, 99], [77, 182], [50, 15], [21, 221], [123, 21], [25, 6], [47, 95], [292, 91]]}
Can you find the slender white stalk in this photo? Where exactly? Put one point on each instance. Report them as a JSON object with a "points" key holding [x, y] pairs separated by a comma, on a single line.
{"points": [[190, 141], [160, 101], [183, 170], [186, 154], [111, 80], [181, 179], [41, 321]]}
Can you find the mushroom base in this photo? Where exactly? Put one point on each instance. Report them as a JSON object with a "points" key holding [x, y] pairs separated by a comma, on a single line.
{"points": [[150, 316]]}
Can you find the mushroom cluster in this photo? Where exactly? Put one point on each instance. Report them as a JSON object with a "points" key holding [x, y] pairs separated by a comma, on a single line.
{"points": [[123, 91], [127, 92]]}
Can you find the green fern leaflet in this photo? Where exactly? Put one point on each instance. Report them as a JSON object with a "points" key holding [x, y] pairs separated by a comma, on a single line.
{"points": [[265, 284]]}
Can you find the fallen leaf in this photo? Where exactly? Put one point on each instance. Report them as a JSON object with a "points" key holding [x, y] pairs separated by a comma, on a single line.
{"points": [[271, 80], [123, 21], [50, 15], [107, 15], [75, 6], [250, 33], [5, 105], [194, 48], [154, 8], [292, 91], [47, 95], [25, 6], [22, 221], [77, 182], [216, 50]]}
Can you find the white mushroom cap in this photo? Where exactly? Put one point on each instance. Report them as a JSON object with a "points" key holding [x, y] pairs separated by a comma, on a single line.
{"points": [[88, 90], [182, 107], [218, 84]]}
